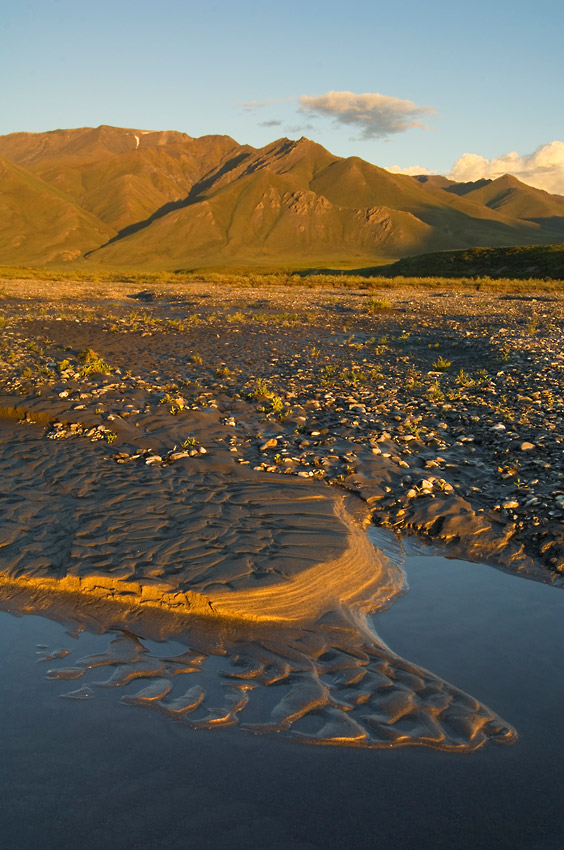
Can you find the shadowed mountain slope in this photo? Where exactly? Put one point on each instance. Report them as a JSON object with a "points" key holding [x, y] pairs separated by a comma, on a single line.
{"points": [[164, 199]]}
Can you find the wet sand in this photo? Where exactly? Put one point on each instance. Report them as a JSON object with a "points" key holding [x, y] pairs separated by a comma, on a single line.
{"points": [[277, 576], [440, 411], [209, 480], [97, 773], [151, 487]]}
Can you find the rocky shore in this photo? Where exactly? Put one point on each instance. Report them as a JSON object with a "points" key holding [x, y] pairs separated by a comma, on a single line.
{"points": [[440, 412]]}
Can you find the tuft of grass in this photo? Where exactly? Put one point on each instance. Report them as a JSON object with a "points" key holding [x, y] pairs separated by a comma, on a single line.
{"points": [[435, 392], [94, 364], [260, 389], [464, 379], [375, 305], [236, 317], [175, 324], [441, 364]]}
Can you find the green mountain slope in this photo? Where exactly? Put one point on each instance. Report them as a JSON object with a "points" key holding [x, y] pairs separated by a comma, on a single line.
{"points": [[40, 224], [139, 198], [522, 262]]}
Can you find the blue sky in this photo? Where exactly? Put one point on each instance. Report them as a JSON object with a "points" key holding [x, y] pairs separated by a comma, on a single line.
{"points": [[491, 72]]}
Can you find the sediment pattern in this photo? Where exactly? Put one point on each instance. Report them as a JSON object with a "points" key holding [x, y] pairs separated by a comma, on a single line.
{"points": [[328, 684], [272, 579]]}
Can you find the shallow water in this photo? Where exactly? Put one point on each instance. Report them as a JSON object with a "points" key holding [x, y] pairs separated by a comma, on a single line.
{"points": [[97, 773]]}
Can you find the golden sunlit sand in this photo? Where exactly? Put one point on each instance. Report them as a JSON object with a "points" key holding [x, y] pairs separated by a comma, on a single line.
{"points": [[276, 575]]}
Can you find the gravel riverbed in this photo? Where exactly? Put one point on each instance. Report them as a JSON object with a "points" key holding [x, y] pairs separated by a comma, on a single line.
{"points": [[441, 411]]}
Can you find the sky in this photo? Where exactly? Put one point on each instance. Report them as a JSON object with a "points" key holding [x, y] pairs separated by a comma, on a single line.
{"points": [[462, 89]]}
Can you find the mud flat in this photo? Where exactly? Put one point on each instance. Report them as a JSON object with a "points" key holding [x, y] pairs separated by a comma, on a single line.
{"points": [[440, 410], [277, 576], [215, 456]]}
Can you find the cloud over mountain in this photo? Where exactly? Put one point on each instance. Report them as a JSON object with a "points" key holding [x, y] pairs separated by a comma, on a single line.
{"points": [[414, 170], [375, 115], [543, 169]]}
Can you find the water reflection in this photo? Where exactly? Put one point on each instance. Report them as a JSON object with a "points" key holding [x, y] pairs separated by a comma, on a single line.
{"points": [[331, 682]]}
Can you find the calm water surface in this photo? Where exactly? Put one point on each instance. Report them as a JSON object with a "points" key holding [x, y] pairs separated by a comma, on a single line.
{"points": [[99, 775]]}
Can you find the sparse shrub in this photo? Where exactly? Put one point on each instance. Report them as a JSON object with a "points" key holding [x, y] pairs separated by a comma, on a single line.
{"points": [[260, 389], [93, 364], [175, 324], [464, 379], [441, 364], [435, 392], [375, 305]]}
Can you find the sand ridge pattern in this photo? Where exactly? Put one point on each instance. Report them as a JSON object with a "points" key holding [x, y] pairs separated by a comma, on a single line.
{"points": [[331, 683], [194, 537], [273, 577]]}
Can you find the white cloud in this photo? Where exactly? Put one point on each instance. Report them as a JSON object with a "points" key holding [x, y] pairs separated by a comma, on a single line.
{"points": [[249, 105], [543, 169], [375, 115], [414, 170]]}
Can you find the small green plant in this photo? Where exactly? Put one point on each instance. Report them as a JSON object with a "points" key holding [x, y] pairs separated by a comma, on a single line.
{"points": [[276, 404], [260, 389], [189, 443], [441, 364], [111, 437], [197, 359], [223, 372], [175, 324], [435, 392], [93, 363], [464, 379], [374, 305], [63, 365]]}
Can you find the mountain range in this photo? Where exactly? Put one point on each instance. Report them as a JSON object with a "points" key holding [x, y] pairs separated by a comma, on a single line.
{"points": [[126, 198]]}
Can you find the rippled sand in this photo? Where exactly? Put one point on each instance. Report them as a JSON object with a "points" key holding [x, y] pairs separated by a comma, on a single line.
{"points": [[266, 582]]}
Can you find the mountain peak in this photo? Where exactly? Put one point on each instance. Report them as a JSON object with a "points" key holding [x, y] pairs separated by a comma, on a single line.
{"points": [[163, 199]]}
